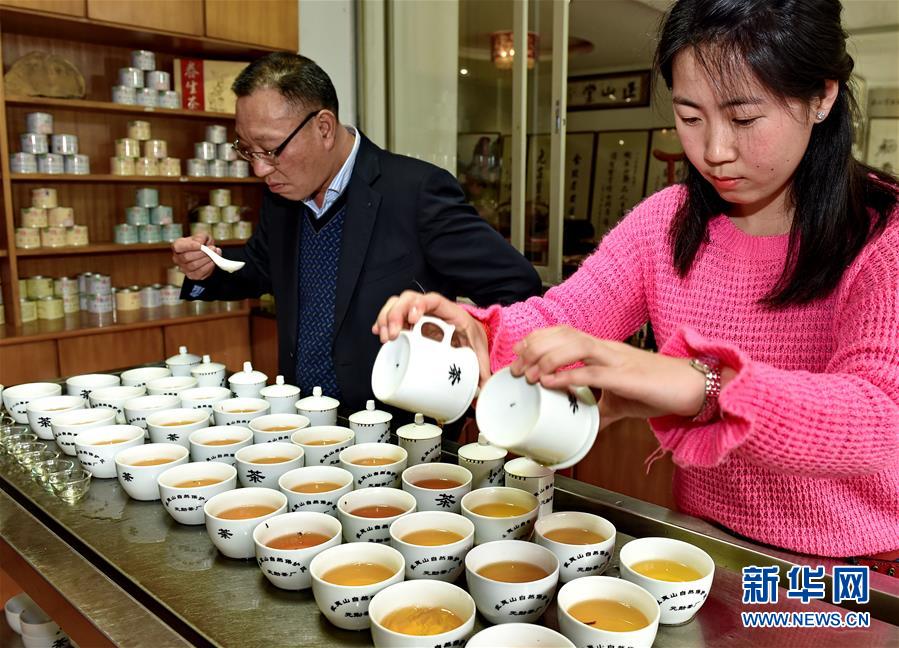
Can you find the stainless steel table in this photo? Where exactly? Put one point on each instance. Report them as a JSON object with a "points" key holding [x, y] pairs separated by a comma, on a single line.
{"points": [[142, 579]]}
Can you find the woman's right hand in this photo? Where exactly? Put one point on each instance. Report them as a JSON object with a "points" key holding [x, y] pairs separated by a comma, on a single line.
{"points": [[404, 311], [188, 256]]}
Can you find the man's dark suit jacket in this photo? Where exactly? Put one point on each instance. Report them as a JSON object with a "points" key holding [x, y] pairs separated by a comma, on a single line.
{"points": [[407, 226]]}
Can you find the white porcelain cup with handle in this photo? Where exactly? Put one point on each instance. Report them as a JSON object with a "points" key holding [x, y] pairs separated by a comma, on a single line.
{"points": [[554, 427], [419, 374]]}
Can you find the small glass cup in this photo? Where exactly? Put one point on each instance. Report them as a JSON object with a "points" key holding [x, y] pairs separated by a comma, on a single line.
{"points": [[8, 432], [41, 470], [46, 453], [72, 486], [21, 446]]}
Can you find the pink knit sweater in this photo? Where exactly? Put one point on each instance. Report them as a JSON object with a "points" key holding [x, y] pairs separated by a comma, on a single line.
{"points": [[805, 455]]}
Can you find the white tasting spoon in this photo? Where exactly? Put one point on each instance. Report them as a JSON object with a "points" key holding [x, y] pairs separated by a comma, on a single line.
{"points": [[225, 264]]}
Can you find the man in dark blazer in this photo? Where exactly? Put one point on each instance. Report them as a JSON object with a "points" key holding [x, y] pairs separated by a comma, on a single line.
{"points": [[344, 225]]}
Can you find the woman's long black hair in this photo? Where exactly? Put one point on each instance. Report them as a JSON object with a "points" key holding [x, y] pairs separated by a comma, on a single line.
{"points": [[791, 47]]}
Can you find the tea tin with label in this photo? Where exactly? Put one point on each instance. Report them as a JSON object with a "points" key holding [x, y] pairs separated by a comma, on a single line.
{"points": [[149, 234], [202, 151], [143, 60], [127, 147], [39, 286], [99, 303], [216, 133], [230, 213], [39, 122], [53, 237], [137, 215], [218, 169], [239, 169], [78, 164], [156, 148], [158, 80], [77, 235], [34, 217], [71, 303], [171, 295], [60, 217], [170, 166], [146, 167], [23, 163], [50, 308], [220, 197], [124, 95], [28, 309], [63, 286], [225, 152], [169, 99], [208, 214], [222, 232], [99, 284], [146, 97], [121, 166], [161, 215], [127, 299], [147, 197], [131, 77], [125, 234], [172, 232], [51, 163], [200, 228], [151, 296], [64, 144], [44, 197], [197, 168], [243, 230], [28, 238], [139, 130], [34, 143]]}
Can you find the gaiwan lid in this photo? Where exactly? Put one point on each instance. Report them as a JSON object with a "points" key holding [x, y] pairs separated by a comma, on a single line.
{"points": [[248, 376], [370, 415], [419, 429], [280, 389], [207, 365], [317, 402], [482, 450], [183, 358]]}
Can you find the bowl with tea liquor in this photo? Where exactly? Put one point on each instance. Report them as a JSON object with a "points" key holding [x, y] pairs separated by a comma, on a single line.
{"points": [[511, 580], [96, 448], [170, 385], [434, 544], [287, 543], [605, 611], [138, 409], [519, 635], [323, 443], [17, 397], [315, 489], [239, 411], [367, 513], [204, 398], [437, 486], [115, 398], [69, 424], [262, 464], [406, 615], [583, 542], [231, 517], [277, 427], [501, 513], [139, 467], [219, 443], [41, 410], [346, 577], [176, 425], [677, 573], [375, 464], [185, 489]]}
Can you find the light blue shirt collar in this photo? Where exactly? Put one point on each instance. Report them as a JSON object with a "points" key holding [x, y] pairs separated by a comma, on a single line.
{"points": [[340, 181]]}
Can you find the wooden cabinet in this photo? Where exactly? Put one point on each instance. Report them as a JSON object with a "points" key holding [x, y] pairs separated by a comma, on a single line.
{"points": [[68, 7], [271, 23], [180, 16]]}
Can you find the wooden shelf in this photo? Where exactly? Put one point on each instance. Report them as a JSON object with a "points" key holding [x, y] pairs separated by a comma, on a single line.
{"points": [[107, 248], [74, 28], [82, 323], [3, 253], [104, 178], [108, 106]]}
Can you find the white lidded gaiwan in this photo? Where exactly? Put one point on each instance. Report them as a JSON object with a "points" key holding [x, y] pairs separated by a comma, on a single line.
{"points": [[208, 373], [281, 396], [421, 440], [247, 383], [371, 425], [319, 409], [484, 461], [181, 364]]}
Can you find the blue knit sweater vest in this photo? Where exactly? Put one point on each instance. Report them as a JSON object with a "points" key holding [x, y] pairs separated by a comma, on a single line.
{"points": [[319, 261]]}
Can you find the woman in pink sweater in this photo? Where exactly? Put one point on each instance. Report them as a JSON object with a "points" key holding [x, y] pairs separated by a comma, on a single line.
{"points": [[772, 271]]}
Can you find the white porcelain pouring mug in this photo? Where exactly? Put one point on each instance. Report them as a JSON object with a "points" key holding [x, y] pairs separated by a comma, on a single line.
{"points": [[419, 374]]}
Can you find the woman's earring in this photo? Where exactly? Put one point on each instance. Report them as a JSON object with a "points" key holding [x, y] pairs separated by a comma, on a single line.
{"points": [[820, 115]]}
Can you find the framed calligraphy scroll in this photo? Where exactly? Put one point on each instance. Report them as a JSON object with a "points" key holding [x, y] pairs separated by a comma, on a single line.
{"points": [[619, 176], [616, 90], [667, 162]]}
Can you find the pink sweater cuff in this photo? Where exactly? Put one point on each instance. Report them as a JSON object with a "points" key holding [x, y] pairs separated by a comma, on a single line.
{"points": [[491, 319], [707, 445]]}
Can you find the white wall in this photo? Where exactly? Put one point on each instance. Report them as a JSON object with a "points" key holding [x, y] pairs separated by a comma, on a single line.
{"points": [[328, 36]]}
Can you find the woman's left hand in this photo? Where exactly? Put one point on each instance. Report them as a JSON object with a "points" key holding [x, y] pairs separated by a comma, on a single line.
{"points": [[634, 383]]}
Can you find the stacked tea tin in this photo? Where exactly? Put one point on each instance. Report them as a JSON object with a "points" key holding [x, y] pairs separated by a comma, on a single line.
{"points": [[214, 157], [140, 154], [46, 224], [43, 151], [220, 219], [147, 221], [142, 84], [96, 292], [47, 298]]}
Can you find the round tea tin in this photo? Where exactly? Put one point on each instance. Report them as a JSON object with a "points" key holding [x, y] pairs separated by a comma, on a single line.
{"points": [[64, 144], [137, 215], [197, 168], [225, 151], [78, 164], [172, 232], [218, 169], [156, 148], [161, 215], [146, 166], [121, 165], [125, 233], [23, 163], [169, 99], [34, 143], [127, 299], [200, 228], [230, 213], [139, 130], [222, 232], [171, 295], [99, 284], [149, 234], [239, 169], [143, 60], [34, 217], [28, 238], [220, 197], [50, 308], [53, 237], [63, 286], [39, 122], [131, 77], [124, 95], [202, 151], [77, 235], [127, 147], [71, 303], [243, 230], [44, 197], [170, 166], [147, 197], [51, 163], [28, 309], [151, 296], [157, 80], [39, 286], [146, 97], [208, 214], [215, 133]]}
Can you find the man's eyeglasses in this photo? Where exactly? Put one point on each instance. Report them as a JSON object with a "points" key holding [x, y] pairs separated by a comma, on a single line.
{"points": [[271, 157]]}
